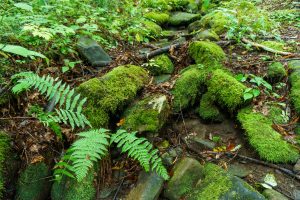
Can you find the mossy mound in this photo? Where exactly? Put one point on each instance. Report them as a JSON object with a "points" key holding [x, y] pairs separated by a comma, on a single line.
{"points": [[147, 115], [275, 114], [161, 64], [279, 46], [206, 53], [182, 18], [207, 110], [265, 140], [4, 152], [157, 17], [276, 72], [295, 83], [153, 28], [209, 35], [70, 189], [227, 90], [34, 183], [110, 93]]}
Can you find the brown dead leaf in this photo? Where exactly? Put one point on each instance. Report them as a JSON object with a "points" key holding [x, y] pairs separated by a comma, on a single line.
{"points": [[37, 159], [279, 129]]}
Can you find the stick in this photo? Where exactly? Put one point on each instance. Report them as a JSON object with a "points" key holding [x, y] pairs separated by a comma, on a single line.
{"points": [[160, 51], [267, 48]]}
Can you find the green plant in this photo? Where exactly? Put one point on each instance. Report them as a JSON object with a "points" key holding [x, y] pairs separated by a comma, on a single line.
{"points": [[68, 65]]}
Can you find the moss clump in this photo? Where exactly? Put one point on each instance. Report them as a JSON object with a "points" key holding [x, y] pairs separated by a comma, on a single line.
{"points": [[295, 83], [227, 90], [161, 64], [4, 151], [207, 109], [111, 92], [207, 35], [147, 115], [157, 17], [266, 141], [182, 18], [276, 71], [206, 53], [34, 183], [70, 189], [275, 114], [294, 65], [153, 28], [279, 46]]}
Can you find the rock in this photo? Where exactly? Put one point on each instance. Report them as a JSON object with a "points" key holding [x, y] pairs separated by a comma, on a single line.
{"points": [[147, 115], [34, 183], [294, 66], [296, 194], [238, 170], [207, 110], [199, 144], [108, 94], [182, 18], [271, 194], [296, 168], [161, 64], [186, 174], [107, 191], [206, 53], [276, 72], [162, 78], [207, 35], [148, 187], [169, 157], [157, 17], [93, 52], [266, 141], [153, 28]]}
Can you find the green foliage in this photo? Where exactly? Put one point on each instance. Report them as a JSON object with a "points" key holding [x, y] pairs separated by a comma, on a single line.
{"points": [[279, 46]]}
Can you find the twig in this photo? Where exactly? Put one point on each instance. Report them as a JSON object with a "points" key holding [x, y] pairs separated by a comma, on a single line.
{"points": [[160, 51], [116, 194]]}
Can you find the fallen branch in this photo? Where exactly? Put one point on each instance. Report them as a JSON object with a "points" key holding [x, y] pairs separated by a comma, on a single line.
{"points": [[267, 48], [160, 51]]}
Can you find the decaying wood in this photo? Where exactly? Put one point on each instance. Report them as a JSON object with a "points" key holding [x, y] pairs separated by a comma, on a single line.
{"points": [[160, 51]]}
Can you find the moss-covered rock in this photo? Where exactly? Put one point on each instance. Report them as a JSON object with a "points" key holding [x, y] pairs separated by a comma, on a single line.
{"points": [[275, 114], [70, 189], [279, 46], [206, 53], [182, 18], [161, 64], [110, 93], [227, 90], [34, 183], [4, 152], [147, 115], [294, 66], [207, 109], [157, 17], [276, 72], [209, 35], [266, 141], [153, 28]]}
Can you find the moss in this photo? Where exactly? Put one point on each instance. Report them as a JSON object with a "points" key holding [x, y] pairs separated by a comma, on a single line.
{"points": [[279, 46], [227, 90], [276, 71], [70, 189], [34, 183], [157, 17], [161, 64], [275, 114], [4, 149], [147, 115], [206, 53], [182, 18], [207, 109], [153, 28], [110, 93], [209, 35], [295, 93], [294, 65], [266, 141]]}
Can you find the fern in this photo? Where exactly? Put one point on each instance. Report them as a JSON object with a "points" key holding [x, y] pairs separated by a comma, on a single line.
{"points": [[89, 148], [71, 113]]}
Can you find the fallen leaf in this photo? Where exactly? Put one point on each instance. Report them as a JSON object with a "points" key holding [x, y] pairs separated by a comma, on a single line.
{"points": [[121, 122]]}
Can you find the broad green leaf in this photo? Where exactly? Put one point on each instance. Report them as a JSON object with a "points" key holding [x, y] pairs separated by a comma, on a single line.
{"points": [[255, 92], [248, 96], [21, 51]]}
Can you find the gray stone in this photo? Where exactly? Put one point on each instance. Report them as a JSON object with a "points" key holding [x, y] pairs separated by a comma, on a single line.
{"points": [[271, 194], [297, 167], [239, 170], [198, 143], [195, 26], [296, 194], [148, 187], [169, 157], [207, 35], [93, 52], [182, 18], [162, 78]]}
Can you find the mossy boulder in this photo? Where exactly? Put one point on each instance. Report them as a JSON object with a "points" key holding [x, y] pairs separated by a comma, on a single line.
{"points": [[209, 35], [206, 53], [294, 66], [276, 72], [275, 114], [4, 153], [34, 182], [182, 18], [110, 93], [70, 189], [279, 46], [158, 17], [227, 91], [159, 65], [148, 114], [207, 110], [268, 143], [154, 29]]}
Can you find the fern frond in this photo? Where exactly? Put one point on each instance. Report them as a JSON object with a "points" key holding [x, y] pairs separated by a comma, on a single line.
{"points": [[141, 150], [89, 148]]}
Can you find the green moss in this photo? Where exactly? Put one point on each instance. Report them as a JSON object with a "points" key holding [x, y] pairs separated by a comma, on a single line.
{"points": [[275, 114], [147, 115], [110, 93], [182, 18], [161, 64], [34, 183], [295, 92], [153, 28], [294, 65], [207, 109], [279, 46], [227, 90], [4, 152], [206, 53], [157, 17], [209, 35], [70, 189], [276, 71], [266, 141]]}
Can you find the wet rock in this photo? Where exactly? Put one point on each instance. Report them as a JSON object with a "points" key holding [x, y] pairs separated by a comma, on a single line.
{"points": [[276, 72], [157, 17], [199, 144], [161, 64], [239, 170], [148, 114], [271, 194], [93, 52], [182, 18], [186, 174], [34, 183], [148, 187], [207, 35], [169, 157], [296, 168], [162, 78]]}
